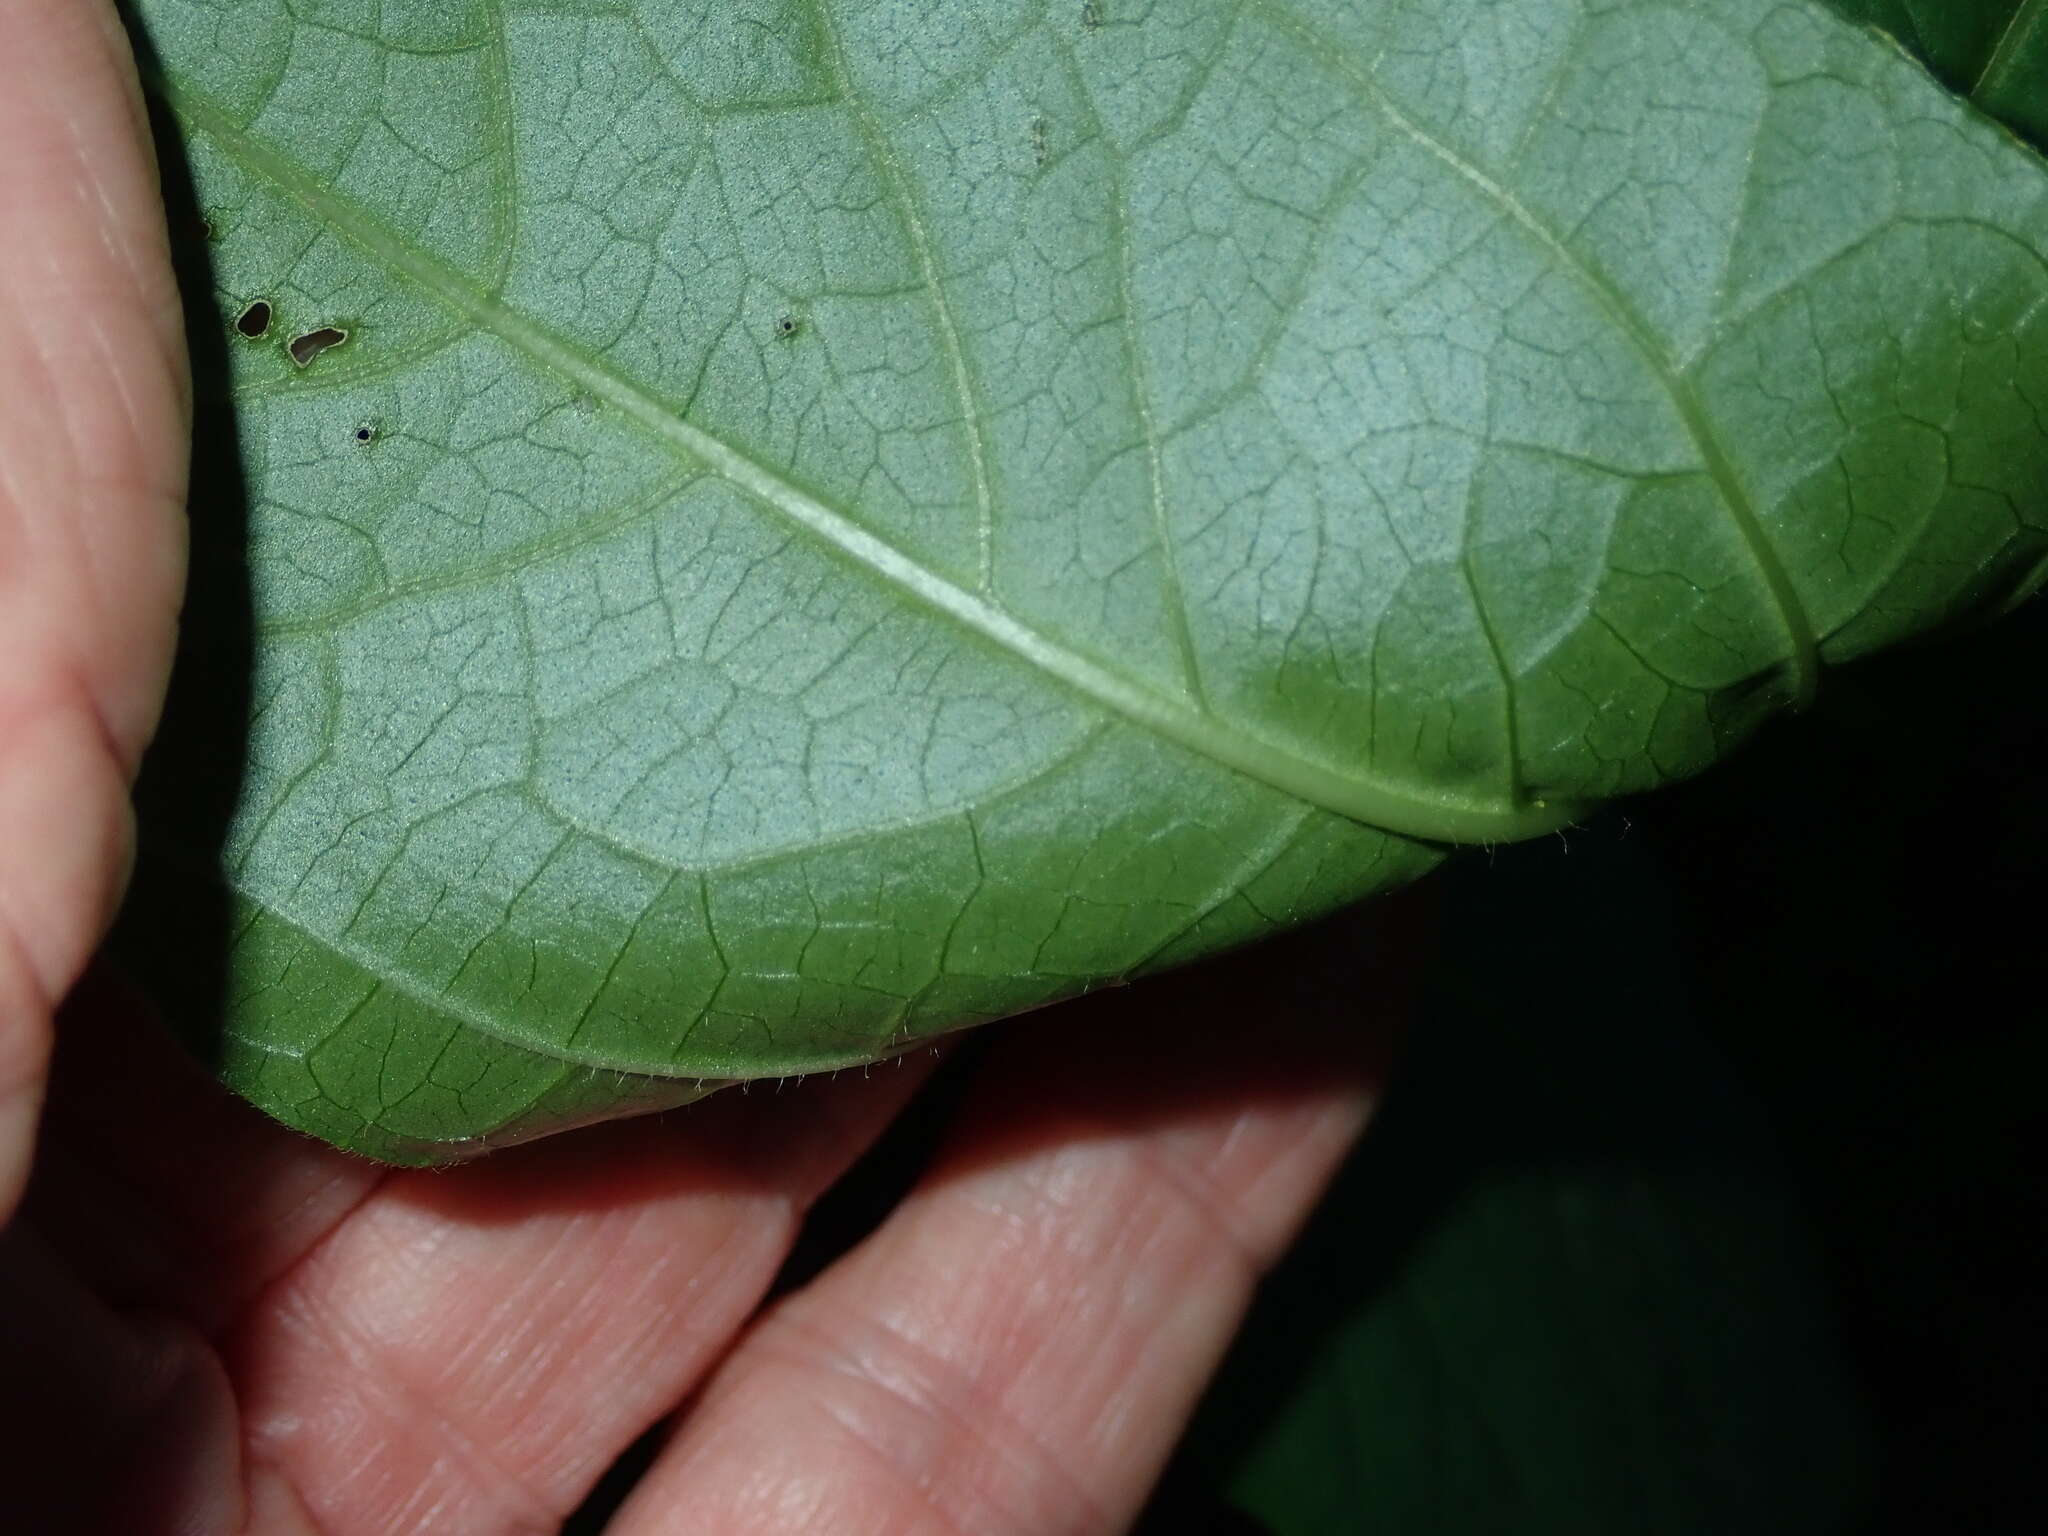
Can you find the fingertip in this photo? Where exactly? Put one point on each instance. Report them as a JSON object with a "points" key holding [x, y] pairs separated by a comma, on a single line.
{"points": [[67, 831], [24, 1069]]}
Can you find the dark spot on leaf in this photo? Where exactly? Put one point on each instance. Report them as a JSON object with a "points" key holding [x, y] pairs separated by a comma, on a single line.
{"points": [[254, 322], [787, 326], [1040, 140], [309, 346]]}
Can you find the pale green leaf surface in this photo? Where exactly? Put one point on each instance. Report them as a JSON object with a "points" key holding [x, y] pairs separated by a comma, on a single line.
{"points": [[833, 522]]}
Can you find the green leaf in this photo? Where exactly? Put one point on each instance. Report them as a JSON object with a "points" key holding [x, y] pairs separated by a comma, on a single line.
{"points": [[1995, 51], [775, 529]]}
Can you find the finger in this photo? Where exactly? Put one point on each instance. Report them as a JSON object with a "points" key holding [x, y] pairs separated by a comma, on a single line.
{"points": [[1017, 1348], [116, 1423], [196, 1234], [92, 458], [472, 1348]]}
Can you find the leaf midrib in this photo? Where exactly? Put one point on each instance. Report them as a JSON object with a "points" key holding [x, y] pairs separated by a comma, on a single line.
{"points": [[1374, 802]]}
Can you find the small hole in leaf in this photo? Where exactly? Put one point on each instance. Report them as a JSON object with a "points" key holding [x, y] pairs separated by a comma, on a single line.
{"points": [[254, 322], [304, 349], [365, 434], [787, 326]]}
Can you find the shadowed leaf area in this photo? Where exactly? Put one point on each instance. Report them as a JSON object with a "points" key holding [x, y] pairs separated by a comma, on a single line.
{"points": [[754, 534], [1994, 51]]}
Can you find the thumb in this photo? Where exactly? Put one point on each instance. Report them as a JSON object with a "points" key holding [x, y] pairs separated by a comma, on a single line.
{"points": [[93, 428]]}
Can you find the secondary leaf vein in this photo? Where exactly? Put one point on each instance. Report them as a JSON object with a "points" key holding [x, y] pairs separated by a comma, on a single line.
{"points": [[1410, 811], [1802, 662]]}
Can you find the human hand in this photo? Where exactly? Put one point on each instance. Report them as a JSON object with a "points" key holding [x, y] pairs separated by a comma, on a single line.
{"points": [[210, 1324]]}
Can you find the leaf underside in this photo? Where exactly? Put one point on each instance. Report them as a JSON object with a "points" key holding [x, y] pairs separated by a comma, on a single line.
{"points": [[805, 526]]}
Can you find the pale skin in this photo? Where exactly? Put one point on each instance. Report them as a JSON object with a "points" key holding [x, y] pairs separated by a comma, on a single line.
{"points": [[212, 1325]]}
